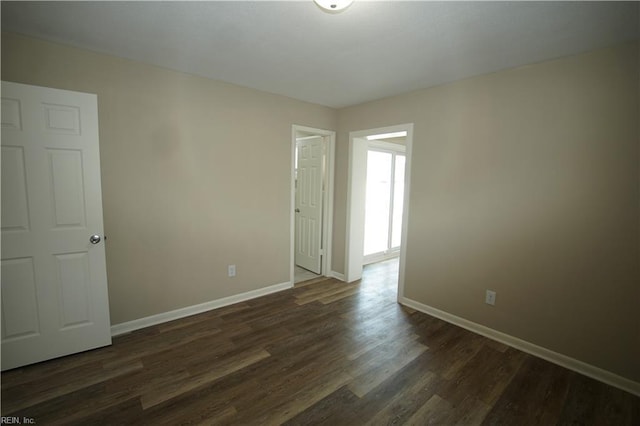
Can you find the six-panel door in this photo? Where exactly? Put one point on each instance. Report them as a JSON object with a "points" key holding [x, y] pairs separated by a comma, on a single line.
{"points": [[54, 284], [309, 181]]}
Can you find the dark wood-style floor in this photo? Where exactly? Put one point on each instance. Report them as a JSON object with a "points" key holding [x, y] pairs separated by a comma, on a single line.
{"points": [[324, 352]]}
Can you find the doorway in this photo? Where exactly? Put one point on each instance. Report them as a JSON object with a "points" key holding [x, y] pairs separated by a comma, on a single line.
{"points": [[311, 202], [384, 199], [359, 143]]}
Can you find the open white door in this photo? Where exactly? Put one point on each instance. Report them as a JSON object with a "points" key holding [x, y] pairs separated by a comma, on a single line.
{"points": [[54, 281], [309, 204]]}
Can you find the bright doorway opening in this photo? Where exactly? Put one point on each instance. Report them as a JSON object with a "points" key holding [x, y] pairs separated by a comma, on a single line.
{"points": [[384, 200], [398, 167]]}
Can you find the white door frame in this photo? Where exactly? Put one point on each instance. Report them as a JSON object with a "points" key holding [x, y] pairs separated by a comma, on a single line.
{"points": [[329, 137], [354, 250]]}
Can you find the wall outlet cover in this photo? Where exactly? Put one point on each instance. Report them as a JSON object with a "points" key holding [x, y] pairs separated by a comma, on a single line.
{"points": [[490, 297]]}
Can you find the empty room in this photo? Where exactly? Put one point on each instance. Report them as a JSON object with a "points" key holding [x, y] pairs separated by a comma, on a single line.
{"points": [[320, 212]]}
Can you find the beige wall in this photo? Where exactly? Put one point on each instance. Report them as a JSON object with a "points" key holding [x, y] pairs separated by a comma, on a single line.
{"points": [[195, 175], [525, 182]]}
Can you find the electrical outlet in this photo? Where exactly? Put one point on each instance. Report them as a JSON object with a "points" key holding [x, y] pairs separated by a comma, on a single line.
{"points": [[490, 297], [232, 270]]}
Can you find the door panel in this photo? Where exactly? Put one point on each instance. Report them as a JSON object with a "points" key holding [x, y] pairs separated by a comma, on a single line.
{"points": [[68, 193], [73, 282], [15, 215], [309, 204], [54, 285], [19, 304]]}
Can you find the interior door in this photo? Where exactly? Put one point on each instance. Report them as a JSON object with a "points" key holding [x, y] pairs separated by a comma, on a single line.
{"points": [[309, 204], [54, 281]]}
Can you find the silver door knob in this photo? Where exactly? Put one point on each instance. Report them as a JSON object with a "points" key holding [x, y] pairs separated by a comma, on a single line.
{"points": [[94, 239]]}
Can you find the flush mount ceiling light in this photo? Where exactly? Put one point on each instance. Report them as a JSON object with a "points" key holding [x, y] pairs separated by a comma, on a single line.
{"points": [[333, 6]]}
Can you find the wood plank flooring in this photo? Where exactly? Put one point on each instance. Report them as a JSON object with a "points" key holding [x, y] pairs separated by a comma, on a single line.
{"points": [[324, 352]]}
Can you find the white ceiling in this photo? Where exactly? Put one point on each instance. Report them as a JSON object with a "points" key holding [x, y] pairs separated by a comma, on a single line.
{"points": [[370, 51]]}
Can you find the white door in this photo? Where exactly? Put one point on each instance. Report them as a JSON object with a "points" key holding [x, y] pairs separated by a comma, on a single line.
{"points": [[309, 204], [54, 281]]}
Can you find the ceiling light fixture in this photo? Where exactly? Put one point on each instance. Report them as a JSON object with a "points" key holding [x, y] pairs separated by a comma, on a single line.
{"points": [[333, 6]]}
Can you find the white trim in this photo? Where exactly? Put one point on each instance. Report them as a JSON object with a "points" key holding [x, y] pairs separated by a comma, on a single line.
{"points": [[381, 256], [405, 209], [127, 327], [400, 134], [530, 348], [306, 138], [387, 146], [337, 275], [356, 184], [329, 137]]}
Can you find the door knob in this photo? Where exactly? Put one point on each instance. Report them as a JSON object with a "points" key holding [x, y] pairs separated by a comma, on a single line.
{"points": [[94, 239], [297, 210]]}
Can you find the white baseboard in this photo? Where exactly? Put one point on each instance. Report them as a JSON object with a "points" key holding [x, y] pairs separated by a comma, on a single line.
{"points": [[127, 327], [530, 348], [337, 275]]}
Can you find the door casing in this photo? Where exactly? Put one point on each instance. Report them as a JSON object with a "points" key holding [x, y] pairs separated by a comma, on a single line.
{"points": [[354, 241], [329, 137]]}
